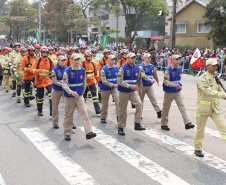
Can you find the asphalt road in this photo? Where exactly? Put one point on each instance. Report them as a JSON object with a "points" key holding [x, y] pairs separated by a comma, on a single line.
{"points": [[33, 153]]}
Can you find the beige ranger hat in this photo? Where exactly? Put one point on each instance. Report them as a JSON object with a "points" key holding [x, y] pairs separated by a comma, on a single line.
{"points": [[61, 58], [176, 56], [111, 57], [147, 55], [130, 55], [75, 56], [211, 61]]}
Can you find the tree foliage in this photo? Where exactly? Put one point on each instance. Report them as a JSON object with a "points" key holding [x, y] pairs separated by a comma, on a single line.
{"points": [[140, 42], [31, 32], [216, 18]]}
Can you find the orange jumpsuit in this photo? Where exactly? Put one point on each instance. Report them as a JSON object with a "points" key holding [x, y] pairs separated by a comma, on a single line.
{"points": [[121, 62]]}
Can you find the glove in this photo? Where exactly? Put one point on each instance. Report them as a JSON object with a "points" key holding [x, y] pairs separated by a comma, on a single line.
{"points": [[17, 78]]}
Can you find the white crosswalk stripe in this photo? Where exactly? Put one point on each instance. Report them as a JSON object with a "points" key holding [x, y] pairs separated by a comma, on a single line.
{"points": [[137, 160], [69, 169], [187, 149], [2, 182]]}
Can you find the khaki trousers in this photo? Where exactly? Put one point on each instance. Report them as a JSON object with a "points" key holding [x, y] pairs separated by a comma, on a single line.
{"points": [[56, 95], [6, 79], [105, 99], [218, 119], [69, 106], [124, 97], [149, 90], [168, 98]]}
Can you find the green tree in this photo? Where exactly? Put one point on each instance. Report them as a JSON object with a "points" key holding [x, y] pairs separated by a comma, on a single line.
{"points": [[19, 8], [111, 39], [140, 42], [54, 17], [216, 18], [137, 8], [31, 32]]}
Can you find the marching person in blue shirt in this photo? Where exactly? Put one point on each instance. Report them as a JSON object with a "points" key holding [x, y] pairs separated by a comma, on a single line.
{"points": [[147, 88], [74, 83], [172, 91], [129, 83], [109, 86]]}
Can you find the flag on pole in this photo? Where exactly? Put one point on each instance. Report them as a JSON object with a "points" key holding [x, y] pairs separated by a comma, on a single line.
{"points": [[80, 41], [196, 62], [104, 40], [83, 42], [37, 36]]}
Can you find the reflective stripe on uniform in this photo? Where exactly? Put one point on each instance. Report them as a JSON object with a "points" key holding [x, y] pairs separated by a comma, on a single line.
{"points": [[25, 69], [112, 79], [75, 85], [43, 74], [130, 81], [220, 95], [176, 82], [224, 138], [197, 115], [20, 72], [199, 140], [216, 101], [205, 102]]}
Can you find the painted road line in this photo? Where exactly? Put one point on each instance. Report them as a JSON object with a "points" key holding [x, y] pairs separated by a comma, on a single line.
{"points": [[209, 159], [2, 182], [69, 169], [137, 160]]}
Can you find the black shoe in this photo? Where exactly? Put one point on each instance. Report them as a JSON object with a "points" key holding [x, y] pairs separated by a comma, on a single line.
{"points": [[98, 111], [141, 117], [137, 126], [74, 127], [18, 101], [32, 97], [27, 105], [199, 153], [121, 131], [90, 135], [56, 126], [46, 93], [50, 114], [67, 137], [89, 96], [40, 114], [165, 127], [133, 106], [14, 95], [159, 114], [189, 125], [103, 121], [6, 91]]}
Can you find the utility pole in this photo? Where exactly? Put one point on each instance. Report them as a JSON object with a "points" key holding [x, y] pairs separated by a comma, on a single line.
{"points": [[117, 18], [40, 26], [173, 24]]}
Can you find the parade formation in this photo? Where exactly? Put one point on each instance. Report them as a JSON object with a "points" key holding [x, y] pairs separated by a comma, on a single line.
{"points": [[71, 77]]}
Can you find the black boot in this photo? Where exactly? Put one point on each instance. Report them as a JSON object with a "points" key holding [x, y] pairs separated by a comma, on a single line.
{"points": [[50, 107], [189, 125], [133, 106], [39, 106], [99, 97], [97, 107], [26, 102], [199, 153], [14, 95], [121, 131], [137, 126], [14, 86], [18, 90], [159, 114]]}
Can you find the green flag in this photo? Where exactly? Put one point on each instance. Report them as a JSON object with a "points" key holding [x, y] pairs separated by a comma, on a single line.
{"points": [[104, 40], [37, 36], [191, 70]]}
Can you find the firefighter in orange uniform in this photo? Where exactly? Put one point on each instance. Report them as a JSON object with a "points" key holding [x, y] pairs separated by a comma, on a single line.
{"points": [[42, 69], [26, 65], [123, 61], [37, 51], [73, 50], [91, 75], [103, 62]]}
